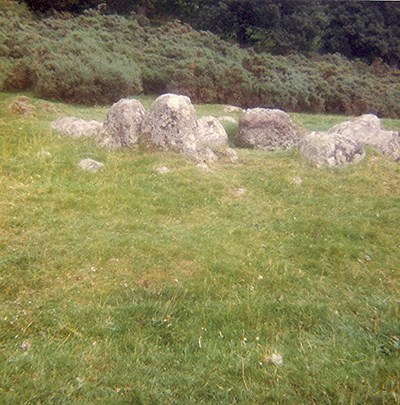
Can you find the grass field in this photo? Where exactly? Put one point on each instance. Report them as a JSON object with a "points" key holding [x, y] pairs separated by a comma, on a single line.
{"points": [[131, 287]]}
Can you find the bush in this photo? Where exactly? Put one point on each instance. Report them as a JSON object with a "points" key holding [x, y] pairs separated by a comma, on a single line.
{"points": [[97, 59], [86, 81]]}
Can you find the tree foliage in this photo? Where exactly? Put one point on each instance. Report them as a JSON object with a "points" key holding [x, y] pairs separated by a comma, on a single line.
{"points": [[353, 28]]}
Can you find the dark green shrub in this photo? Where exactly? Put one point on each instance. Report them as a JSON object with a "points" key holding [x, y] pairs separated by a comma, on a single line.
{"points": [[97, 59], [19, 77], [86, 81]]}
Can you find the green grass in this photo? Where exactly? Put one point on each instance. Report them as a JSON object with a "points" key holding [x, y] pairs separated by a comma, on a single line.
{"points": [[135, 287]]}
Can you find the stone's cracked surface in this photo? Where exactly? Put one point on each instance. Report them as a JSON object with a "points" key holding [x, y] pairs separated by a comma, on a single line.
{"points": [[123, 125], [265, 129], [170, 124], [210, 133], [330, 149], [367, 130]]}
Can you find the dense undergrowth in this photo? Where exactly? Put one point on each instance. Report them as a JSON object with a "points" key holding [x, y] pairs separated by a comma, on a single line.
{"points": [[97, 59]]}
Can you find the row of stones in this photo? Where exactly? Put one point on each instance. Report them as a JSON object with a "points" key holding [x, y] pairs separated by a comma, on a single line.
{"points": [[171, 124]]}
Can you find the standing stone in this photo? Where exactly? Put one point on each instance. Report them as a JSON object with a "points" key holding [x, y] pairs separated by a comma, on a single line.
{"points": [[170, 124], [330, 149], [266, 129], [367, 130], [123, 125]]}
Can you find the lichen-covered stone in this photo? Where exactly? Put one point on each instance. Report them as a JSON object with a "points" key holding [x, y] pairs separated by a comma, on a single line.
{"points": [[170, 124], [210, 133], [367, 130], [266, 129], [123, 125], [330, 149]]}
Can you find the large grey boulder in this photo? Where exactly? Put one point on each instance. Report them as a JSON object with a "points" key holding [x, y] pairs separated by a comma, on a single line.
{"points": [[123, 125], [367, 130], [77, 127], [265, 129], [170, 124], [323, 148]]}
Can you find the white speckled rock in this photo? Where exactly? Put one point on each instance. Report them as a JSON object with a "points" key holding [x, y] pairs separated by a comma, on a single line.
{"points": [[170, 124], [123, 125], [367, 130], [330, 149]]}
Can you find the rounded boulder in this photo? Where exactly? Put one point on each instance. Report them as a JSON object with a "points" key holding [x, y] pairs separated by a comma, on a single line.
{"points": [[266, 129]]}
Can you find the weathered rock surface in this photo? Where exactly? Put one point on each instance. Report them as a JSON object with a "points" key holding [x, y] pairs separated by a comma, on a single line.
{"points": [[170, 124], [266, 129], [90, 165], [212, 141], [367, 130], [123, 125], [210, 133], [329, 149], [76, 127]]}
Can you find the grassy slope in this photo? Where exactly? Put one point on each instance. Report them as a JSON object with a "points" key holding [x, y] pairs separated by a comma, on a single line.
{"points": [[135, 287]]}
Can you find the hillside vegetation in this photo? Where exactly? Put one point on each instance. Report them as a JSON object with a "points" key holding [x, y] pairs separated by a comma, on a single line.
{"points": [[367, 30], [128, 286], [97, 59]]}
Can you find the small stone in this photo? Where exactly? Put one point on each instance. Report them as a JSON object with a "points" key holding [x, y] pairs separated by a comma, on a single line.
{"points": [[25, 346], [228, 154], [163, 170], [211, 133], [90, 165], [297, 181], [240, 191], [276, 359]]}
